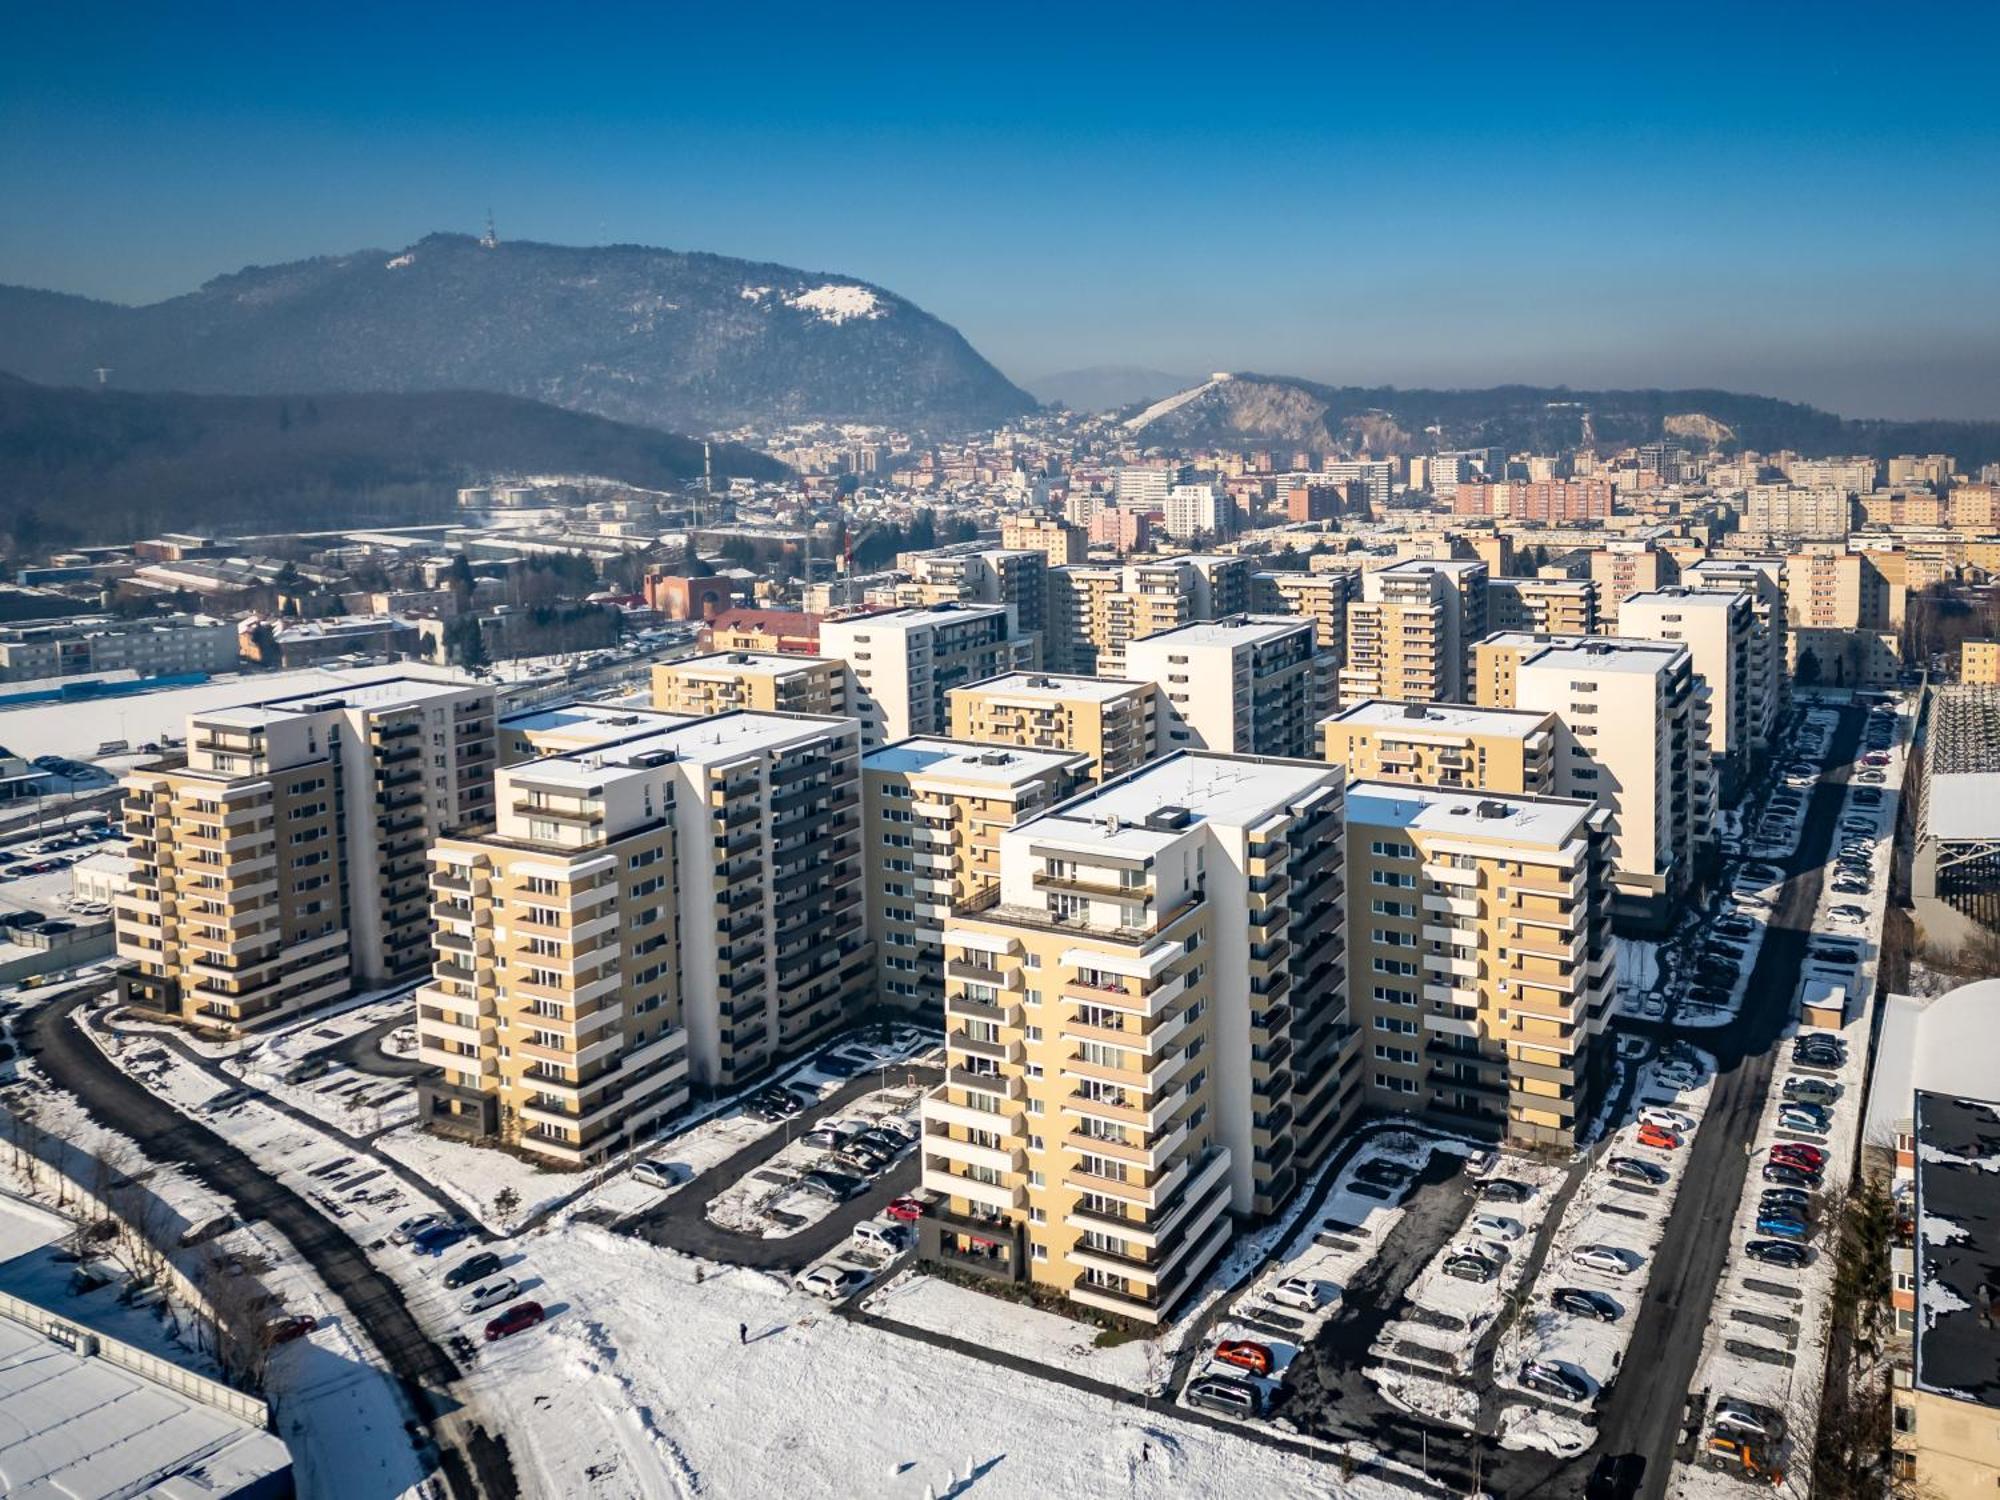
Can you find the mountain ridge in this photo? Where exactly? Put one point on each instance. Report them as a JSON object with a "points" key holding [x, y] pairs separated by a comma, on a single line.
{"points": [[681, 340]]}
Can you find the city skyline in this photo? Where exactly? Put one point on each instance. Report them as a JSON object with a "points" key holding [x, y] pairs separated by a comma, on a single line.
{"points": [[1565, 202]]}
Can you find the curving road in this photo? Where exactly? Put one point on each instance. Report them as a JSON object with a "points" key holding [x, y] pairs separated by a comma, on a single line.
{"points": [[73, 1062]]}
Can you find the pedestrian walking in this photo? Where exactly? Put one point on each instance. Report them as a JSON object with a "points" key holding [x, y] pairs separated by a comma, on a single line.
{"points": [[742, 1333]]}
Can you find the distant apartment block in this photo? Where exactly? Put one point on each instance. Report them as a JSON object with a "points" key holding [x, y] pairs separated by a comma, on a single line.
{"points": [[155, 646], [1410, 635], [1449, 745], [1621, 569], [1145, 1029], [1245, 685], [1720, 629], [285, 864], [679, 904], [1543, 606], [1481, 962], [786, 631], [1761, 580], [1320, 597], [933, 813], [903, 663], [726, 680], [1553, 502], [1115, 723], [1095, 611], [1061, 542]]}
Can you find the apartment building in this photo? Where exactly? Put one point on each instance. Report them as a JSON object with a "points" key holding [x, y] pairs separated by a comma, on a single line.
{"points": [[1543, 606], [284, 864], [903, 663], [1016, 577], [679, 904], [1114, 723], [933, 811], [1246, 685], [1762, 581], [1631, 732], [1720, 629], [1146, 1031], [1061, 542], [787, 632], [1320, 597], [760, 682], [1979, 662], [1094, 612], [1622, 569], [1481, 963], [1552, 502], [1410, 635], [1451, 745], [155, 646], [1788, 513]]}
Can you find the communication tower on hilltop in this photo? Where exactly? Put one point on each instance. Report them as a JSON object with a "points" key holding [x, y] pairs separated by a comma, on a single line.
{"points": [[489, 240]]}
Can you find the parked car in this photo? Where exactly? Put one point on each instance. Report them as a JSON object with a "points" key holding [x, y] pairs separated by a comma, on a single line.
{"points": [[1633, 1169], [1810, 1090], [1807, 1156], [660, 1174], [1658, 1139], [1872, 777], [521, 1315], [886, 1235], [1585, 1303], [1853, 916], [472, 1268], [833, 1282], [438, 1238], [1752, 1418], [1778, 1253], [492, 1294], [1553, 1380], [1783, 1225], [284, 1330], [1497, 1227], [1503, 1190], [1790, 1176], [1246, 1354], [1225, 1394], [835, 1185], [1605, 1258], [1466, 1266], [1786, 1197], [1303, 1293], [907, 1210], [1667, 1119]]}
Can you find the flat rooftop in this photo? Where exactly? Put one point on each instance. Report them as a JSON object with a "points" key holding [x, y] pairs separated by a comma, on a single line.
{"points": [[1237, 630], [1048, 685], [916, 614], [1703, 598], [1231, 791], [1598, 654], [705, 740], [1958, 1249], [965, 760], [1389, 715], [1548, 821], [731, 663], [378, 693]]}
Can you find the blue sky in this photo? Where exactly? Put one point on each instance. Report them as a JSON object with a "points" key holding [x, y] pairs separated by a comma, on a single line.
{"points": [[1797, 200]]}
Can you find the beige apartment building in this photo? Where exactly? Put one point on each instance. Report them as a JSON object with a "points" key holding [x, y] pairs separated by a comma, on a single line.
{"points": [[903, 663], [1782, 512], [1115, 723], [679, 903], [934, 811], [284, 864], [1621, 569], [1543, 606], [1410, 635], [1014, 577], [1246, 685], [1450, 745], [1320, 597], [1829, 587], [1720, 629], [1146, 1031], [1979, 662], [1094, 612], [759, 682], [1063, 543], [1480, 957]]}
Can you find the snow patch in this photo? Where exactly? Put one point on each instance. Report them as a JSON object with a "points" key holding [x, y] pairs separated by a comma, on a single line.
{"points": [[834, 303], [407, 258]]}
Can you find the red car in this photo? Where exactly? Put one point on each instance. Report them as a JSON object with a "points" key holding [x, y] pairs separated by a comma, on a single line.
{"points": [[1245, 1354], [521, 1315], [284, 1330], [1806, 1156], [906, 1210], [1658, 1139]]}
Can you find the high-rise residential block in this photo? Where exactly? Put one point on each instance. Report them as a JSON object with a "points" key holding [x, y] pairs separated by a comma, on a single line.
{"points": [[677, 904], [1449, 745], [1145, 1030], [1543, 606], [763, 683], [1095, 611], [1720, 629], [1060, 541], [1114, 722], [933, 813], [1245, 685], [1481, 962], [1761, 580], [1620, 569], [1410, 635], [1320, 597], [903, 663], [284, 864], [1015, 577], [1828, 587]]}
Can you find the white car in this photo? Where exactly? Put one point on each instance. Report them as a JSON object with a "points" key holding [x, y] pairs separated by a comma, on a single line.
{"points": [[409, 1229], [491, 1294], [883, 1234], [1667, 1119], [1303, 1293], [1497, 1227], [833, 1282], [1675, 1076], [1602, 1258], [659, 1174], [1853, 916]]}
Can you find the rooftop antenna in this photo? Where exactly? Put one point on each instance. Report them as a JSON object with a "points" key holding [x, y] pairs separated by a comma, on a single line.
{"points": [[489, 240], [103, 373]]}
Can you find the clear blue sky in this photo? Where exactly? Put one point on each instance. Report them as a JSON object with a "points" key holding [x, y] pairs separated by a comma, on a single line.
{"points": [[1802, 201]]}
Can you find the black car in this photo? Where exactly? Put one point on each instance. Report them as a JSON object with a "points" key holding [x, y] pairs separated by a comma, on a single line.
{"points": [[1790, 1176], [472, 1268], [1636, 1169], [835, 1185], [1784, 1197], [1615, 1476], [1778, 1253], [1585, 1303], [1503, 1190]]}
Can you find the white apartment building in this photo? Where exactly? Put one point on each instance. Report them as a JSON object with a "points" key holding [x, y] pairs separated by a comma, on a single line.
{"points": [[1246, 685], [1762, 581], [905, 662], [1194, 510], [1720, 629]]}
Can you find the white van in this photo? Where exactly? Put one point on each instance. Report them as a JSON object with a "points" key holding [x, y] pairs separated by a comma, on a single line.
{"points": [[882, 1234]]}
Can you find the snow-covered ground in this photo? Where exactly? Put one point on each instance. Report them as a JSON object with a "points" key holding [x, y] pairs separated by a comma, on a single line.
{"points": [[768, 1201], [915, 1300]]}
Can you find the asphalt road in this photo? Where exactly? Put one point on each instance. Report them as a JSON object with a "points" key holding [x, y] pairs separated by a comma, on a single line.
{"points": [[115, 1101], [1644, 1416]]}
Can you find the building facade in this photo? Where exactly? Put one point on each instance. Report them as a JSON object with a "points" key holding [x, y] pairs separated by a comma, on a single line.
{"points": [[903, 663], [762, 683], [1115, 723], [1245, 685]]}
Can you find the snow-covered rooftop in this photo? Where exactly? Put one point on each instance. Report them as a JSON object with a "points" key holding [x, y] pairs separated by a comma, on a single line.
{"points": [[1227, 790], [961, 760], [1430, 720], [1043, 687], [1539, 821]]}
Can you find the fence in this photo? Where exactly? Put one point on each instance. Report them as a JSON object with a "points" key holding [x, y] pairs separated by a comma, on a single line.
{"points": [[87, 1343]]}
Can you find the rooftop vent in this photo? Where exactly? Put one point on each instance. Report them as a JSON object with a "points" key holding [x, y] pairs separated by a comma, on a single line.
{"points": [[649, 759], [994, 758], [739, 658], [1415, 711], [1494, 809], [1166, 819]]}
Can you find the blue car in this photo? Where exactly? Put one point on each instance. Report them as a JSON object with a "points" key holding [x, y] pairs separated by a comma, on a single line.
{"points": [[438, 1239], [1782, 1226]]}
